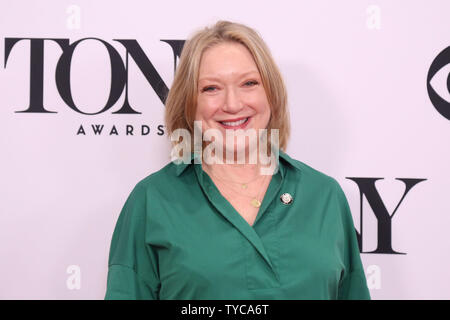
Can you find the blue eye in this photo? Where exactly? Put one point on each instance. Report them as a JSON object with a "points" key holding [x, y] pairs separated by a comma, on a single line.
{"points": [[251, 83], [207, 88]]}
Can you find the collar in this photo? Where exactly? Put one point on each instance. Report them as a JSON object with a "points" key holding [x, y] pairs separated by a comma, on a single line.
{"points": [[181, 166]]}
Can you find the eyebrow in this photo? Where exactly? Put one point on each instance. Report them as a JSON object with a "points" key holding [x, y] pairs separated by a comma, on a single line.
{"points": [[241, 76]]}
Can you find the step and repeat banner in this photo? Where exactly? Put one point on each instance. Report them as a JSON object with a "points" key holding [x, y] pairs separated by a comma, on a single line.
{"points": [[83, 85]]}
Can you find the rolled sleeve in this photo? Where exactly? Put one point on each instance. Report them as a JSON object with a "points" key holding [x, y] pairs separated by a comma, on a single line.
{"points": [[132, 265], [353, 285], [125, 284]]}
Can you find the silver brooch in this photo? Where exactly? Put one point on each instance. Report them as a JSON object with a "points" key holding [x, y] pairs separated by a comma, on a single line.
{"points": [[286, 198]]}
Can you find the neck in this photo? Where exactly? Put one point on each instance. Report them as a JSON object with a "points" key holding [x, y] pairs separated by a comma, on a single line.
{"points": [[238, 172], [234, 172]]}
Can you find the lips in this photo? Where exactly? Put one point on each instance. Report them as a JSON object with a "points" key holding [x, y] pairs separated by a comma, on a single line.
{"points": [[235, 123]]}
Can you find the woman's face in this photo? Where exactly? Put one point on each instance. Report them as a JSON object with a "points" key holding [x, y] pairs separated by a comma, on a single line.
{"points": [[230, 92]]}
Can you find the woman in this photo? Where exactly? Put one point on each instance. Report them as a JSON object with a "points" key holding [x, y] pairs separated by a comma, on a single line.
{"points": [[213, 228]]}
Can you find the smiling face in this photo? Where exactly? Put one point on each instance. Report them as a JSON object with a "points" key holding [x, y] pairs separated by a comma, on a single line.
{"points": [[230, 91]]}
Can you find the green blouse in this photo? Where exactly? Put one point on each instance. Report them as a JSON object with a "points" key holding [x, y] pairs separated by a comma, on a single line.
{"points": [[177, 237]]}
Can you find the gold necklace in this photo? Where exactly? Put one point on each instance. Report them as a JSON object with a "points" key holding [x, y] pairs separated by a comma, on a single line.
{"points": [[243, 185], [254, 202]]}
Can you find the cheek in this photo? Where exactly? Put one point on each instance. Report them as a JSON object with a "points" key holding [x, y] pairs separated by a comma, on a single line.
{"points": [[264, 111], [262, 104], [205, 109]]}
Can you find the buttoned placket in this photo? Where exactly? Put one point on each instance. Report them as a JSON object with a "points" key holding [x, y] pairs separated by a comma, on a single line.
{"points": [[228, 212]]}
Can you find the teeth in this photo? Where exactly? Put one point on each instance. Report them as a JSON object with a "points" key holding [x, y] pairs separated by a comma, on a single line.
{"points": [[234, 123]]}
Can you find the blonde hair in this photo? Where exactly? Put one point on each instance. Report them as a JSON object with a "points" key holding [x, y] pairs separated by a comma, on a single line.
{"points": [[181, 101]]}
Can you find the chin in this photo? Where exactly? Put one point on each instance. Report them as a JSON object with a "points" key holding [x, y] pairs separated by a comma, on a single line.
{"points": [[240, 152]]}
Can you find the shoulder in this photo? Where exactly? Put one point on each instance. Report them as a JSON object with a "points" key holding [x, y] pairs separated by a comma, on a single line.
{"points": [[148, 193], [316, 186], [167, 172], [165, 181]]}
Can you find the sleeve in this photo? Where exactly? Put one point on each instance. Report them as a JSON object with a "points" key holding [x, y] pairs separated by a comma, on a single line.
{"points": [[132, 264], [353, 284]]}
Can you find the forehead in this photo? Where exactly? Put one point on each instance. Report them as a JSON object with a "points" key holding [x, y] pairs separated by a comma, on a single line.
{"points": [[227, 57]]}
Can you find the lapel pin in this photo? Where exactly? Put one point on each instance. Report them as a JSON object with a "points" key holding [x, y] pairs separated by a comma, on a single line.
{"points": [[286, 198]]}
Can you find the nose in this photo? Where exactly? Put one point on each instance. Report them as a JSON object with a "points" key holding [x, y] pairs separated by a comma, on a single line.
{"points": [[232, 103]]}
